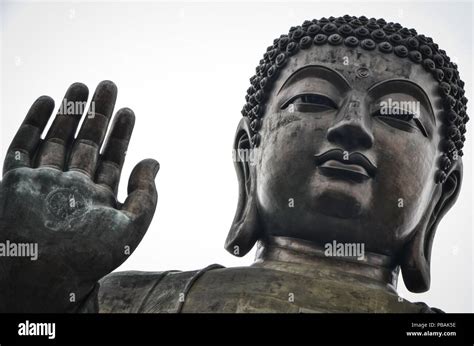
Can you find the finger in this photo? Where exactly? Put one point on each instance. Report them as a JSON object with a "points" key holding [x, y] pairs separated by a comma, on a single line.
{"points": [[85, 150], [111, 161], [62, 131], [142, 197], [25, 143]]}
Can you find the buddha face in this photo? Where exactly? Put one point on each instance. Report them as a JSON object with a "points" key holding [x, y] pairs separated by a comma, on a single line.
{"points": [[349, 148]]}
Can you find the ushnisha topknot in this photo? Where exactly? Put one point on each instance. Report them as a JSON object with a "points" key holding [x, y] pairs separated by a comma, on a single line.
{"points": [[370, 34]]}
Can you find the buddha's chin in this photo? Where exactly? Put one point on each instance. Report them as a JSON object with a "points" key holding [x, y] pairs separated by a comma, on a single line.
{"points": [[340, 198], [338, 203]]}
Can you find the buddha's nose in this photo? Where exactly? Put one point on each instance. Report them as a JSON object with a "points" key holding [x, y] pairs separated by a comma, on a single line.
{"points": [[351, 131]]}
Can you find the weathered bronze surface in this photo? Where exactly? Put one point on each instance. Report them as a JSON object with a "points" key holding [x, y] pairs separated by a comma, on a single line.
{"points": [[354, 129]]}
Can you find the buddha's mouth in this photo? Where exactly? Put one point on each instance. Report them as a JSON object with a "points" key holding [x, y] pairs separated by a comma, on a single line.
{"points": [[336, 169], [336, 163]]}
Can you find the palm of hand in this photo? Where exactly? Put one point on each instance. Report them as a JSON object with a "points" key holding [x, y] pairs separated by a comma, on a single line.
{"points": [[60, 194]]}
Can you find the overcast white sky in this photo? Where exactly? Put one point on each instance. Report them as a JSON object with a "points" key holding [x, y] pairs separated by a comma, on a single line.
{"points": [[184, 69]]}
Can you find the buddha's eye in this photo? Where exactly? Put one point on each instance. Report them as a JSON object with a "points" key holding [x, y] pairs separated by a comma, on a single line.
{"points": [[401, 119], [309, 103]]}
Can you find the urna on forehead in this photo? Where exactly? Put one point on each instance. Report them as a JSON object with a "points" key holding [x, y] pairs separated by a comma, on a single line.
{"points": [[380, 38]]}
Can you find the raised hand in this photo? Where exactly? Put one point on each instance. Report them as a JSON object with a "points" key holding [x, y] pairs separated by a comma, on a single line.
{"points": [[60, 194]]}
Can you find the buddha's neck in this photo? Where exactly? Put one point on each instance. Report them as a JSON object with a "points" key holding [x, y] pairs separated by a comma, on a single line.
{"points": [[304, 257]]}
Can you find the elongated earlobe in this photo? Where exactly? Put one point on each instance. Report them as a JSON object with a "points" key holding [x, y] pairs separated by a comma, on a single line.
{"points": [[416, 257], [245, 228]]}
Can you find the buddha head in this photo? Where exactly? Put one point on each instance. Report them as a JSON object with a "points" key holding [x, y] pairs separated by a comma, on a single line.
{"points": [[356, 128]]}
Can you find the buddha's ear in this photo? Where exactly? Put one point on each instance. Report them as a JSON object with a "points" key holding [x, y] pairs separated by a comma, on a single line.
{"points": [[417, 254], [245, 228]]}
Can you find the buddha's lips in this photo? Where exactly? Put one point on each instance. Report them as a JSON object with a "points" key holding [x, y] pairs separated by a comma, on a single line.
{"points": [[354, 162]]}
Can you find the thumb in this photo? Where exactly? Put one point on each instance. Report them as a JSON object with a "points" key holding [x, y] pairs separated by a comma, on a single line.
{"points": [[142, 197]]}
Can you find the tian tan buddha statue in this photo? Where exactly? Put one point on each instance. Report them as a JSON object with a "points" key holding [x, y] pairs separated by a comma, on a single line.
{"points": [[356, 128]]}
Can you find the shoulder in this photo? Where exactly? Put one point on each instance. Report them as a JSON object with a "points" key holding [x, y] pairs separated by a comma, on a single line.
{"points": [[425, 309], [136, 291]]}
